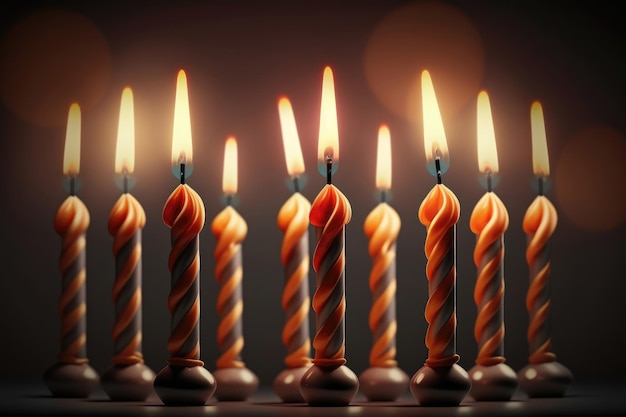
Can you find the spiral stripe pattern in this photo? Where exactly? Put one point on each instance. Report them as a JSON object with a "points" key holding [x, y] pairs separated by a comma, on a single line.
{"points": [[230, 229], [330, 212], [126, 220], [293, 221], [489, 221], [439, 212], [382, 227], [71, 223], [539, 224], [184, 213]]}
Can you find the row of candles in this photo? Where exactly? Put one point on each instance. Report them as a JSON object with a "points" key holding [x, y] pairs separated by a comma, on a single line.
{"points": [[323, 379]]}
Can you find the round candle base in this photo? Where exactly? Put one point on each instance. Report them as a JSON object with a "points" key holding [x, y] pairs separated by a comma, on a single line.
{"points": [[71, 380], [184, 385], [383, 383], [440, 386], [548, 379], [328, 386], [287, 384], [128, 382], [235, 384], [493, 383]]}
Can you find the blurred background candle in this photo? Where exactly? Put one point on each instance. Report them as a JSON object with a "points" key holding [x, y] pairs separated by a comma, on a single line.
{"points": [[235, 382], [128, 378], [184, 381], [383, 380], [72, 376], [329, 381], [293, 221], [492, 379], [543, 376], [441, 381]]}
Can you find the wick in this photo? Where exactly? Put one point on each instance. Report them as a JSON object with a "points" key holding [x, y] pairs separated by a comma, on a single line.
{"points": [[438, 169], [182, 173], [125, 180], [296, 184], [540, 185], [229, 199], [488, 180], [72, 185], [329, 169], [383, 195]]}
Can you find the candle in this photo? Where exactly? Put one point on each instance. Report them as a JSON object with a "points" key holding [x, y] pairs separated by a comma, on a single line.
{"points": [[293, 222], [184, 381], [543, 376], [235, 382], [72, 376], [492, 379], [329, 381], [128, 378], [441, 381], [383, 380]]}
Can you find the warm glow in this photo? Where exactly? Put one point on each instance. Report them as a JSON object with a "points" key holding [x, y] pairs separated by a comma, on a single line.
{"points": [[125, 150], [182, 150], [71, 154], [328, 143], [229, 180], [541, 163], [487, 151], [383, 159], [291, 142], [434, 134]]}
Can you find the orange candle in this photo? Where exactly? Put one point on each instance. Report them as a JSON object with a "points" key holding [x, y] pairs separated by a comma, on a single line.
{"points": [[184, 381], [543, 376], [235, 382], [329, 381], [383, 380], [293, 221], [128, 379], [72, 376], [492, 379], [441, 381]]}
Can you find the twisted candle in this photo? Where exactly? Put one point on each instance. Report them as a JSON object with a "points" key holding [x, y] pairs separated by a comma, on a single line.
{"points": [[489, 221], [126, 220], [230, 229], [184, 214], [293, 221], [330, 212], [382, 227]]}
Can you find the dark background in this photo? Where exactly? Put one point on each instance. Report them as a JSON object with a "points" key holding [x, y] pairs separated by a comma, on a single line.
{"points": [[240, 56]]}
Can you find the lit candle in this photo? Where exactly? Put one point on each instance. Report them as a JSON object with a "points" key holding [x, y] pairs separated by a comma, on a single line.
{"points": [[128, 378], [329, 381], [72, 376], [235, 382], [543, 376], [441, 381], [293, 221], [184, 381], [492, 379], [383, 380]]}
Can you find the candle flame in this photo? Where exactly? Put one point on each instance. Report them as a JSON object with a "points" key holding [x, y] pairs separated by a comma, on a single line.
{"points": [[541, 162], [182, 150], [71, 154], [229, 179], [486, 137], [383, 159], [328, 143], [434, 135], [291, 142], [125, 150]]}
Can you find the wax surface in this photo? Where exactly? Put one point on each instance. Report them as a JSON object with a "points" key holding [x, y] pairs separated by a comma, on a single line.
{"points": [[126, 220], [330, 212], [439, 212], [230, 229], [382, 226], [293, 221], [184, 213], [539, 224], [489, 221]]}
